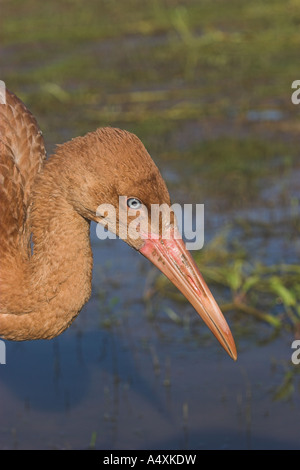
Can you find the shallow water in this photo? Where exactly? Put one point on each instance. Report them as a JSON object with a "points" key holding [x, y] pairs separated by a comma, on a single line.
{"points": [[138, 381], [127, 374]]}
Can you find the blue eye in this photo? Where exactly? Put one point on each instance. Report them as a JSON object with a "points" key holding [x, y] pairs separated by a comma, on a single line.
{"points": [[134, 203]]}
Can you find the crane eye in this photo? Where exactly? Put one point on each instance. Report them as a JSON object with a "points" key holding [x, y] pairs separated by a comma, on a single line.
{"points": [[134, 203]]}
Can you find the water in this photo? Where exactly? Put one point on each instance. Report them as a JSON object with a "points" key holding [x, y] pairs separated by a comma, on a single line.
{"points": [[140, 381], [125, 375]]}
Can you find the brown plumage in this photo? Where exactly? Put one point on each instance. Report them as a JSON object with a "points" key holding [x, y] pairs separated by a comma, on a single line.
{"points": [[54, 200]]}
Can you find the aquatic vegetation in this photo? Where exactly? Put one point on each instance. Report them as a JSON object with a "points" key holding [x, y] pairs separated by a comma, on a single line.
{"points": [[206, 85], [202, 80], [267, 293]]}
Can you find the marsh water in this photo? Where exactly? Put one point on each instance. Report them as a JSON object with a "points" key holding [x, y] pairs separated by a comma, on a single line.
{"points": [[136, 383], [127, 376], [138, 369]]}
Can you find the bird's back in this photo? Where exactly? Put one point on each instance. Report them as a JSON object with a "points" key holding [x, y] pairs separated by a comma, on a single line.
{"points": [[22, 153]]}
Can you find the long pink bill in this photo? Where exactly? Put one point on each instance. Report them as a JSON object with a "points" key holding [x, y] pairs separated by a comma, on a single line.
{"points": [[172, 258]]}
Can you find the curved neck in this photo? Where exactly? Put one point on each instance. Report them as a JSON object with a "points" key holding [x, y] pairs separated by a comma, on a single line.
{"points": [[56, 278]]}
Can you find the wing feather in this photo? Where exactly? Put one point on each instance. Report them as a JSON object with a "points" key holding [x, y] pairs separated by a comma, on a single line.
{"points": [[22, 154]]}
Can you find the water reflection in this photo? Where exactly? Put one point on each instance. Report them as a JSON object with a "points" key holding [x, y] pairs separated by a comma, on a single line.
{"points": [[138, 369], [149, 383]]}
